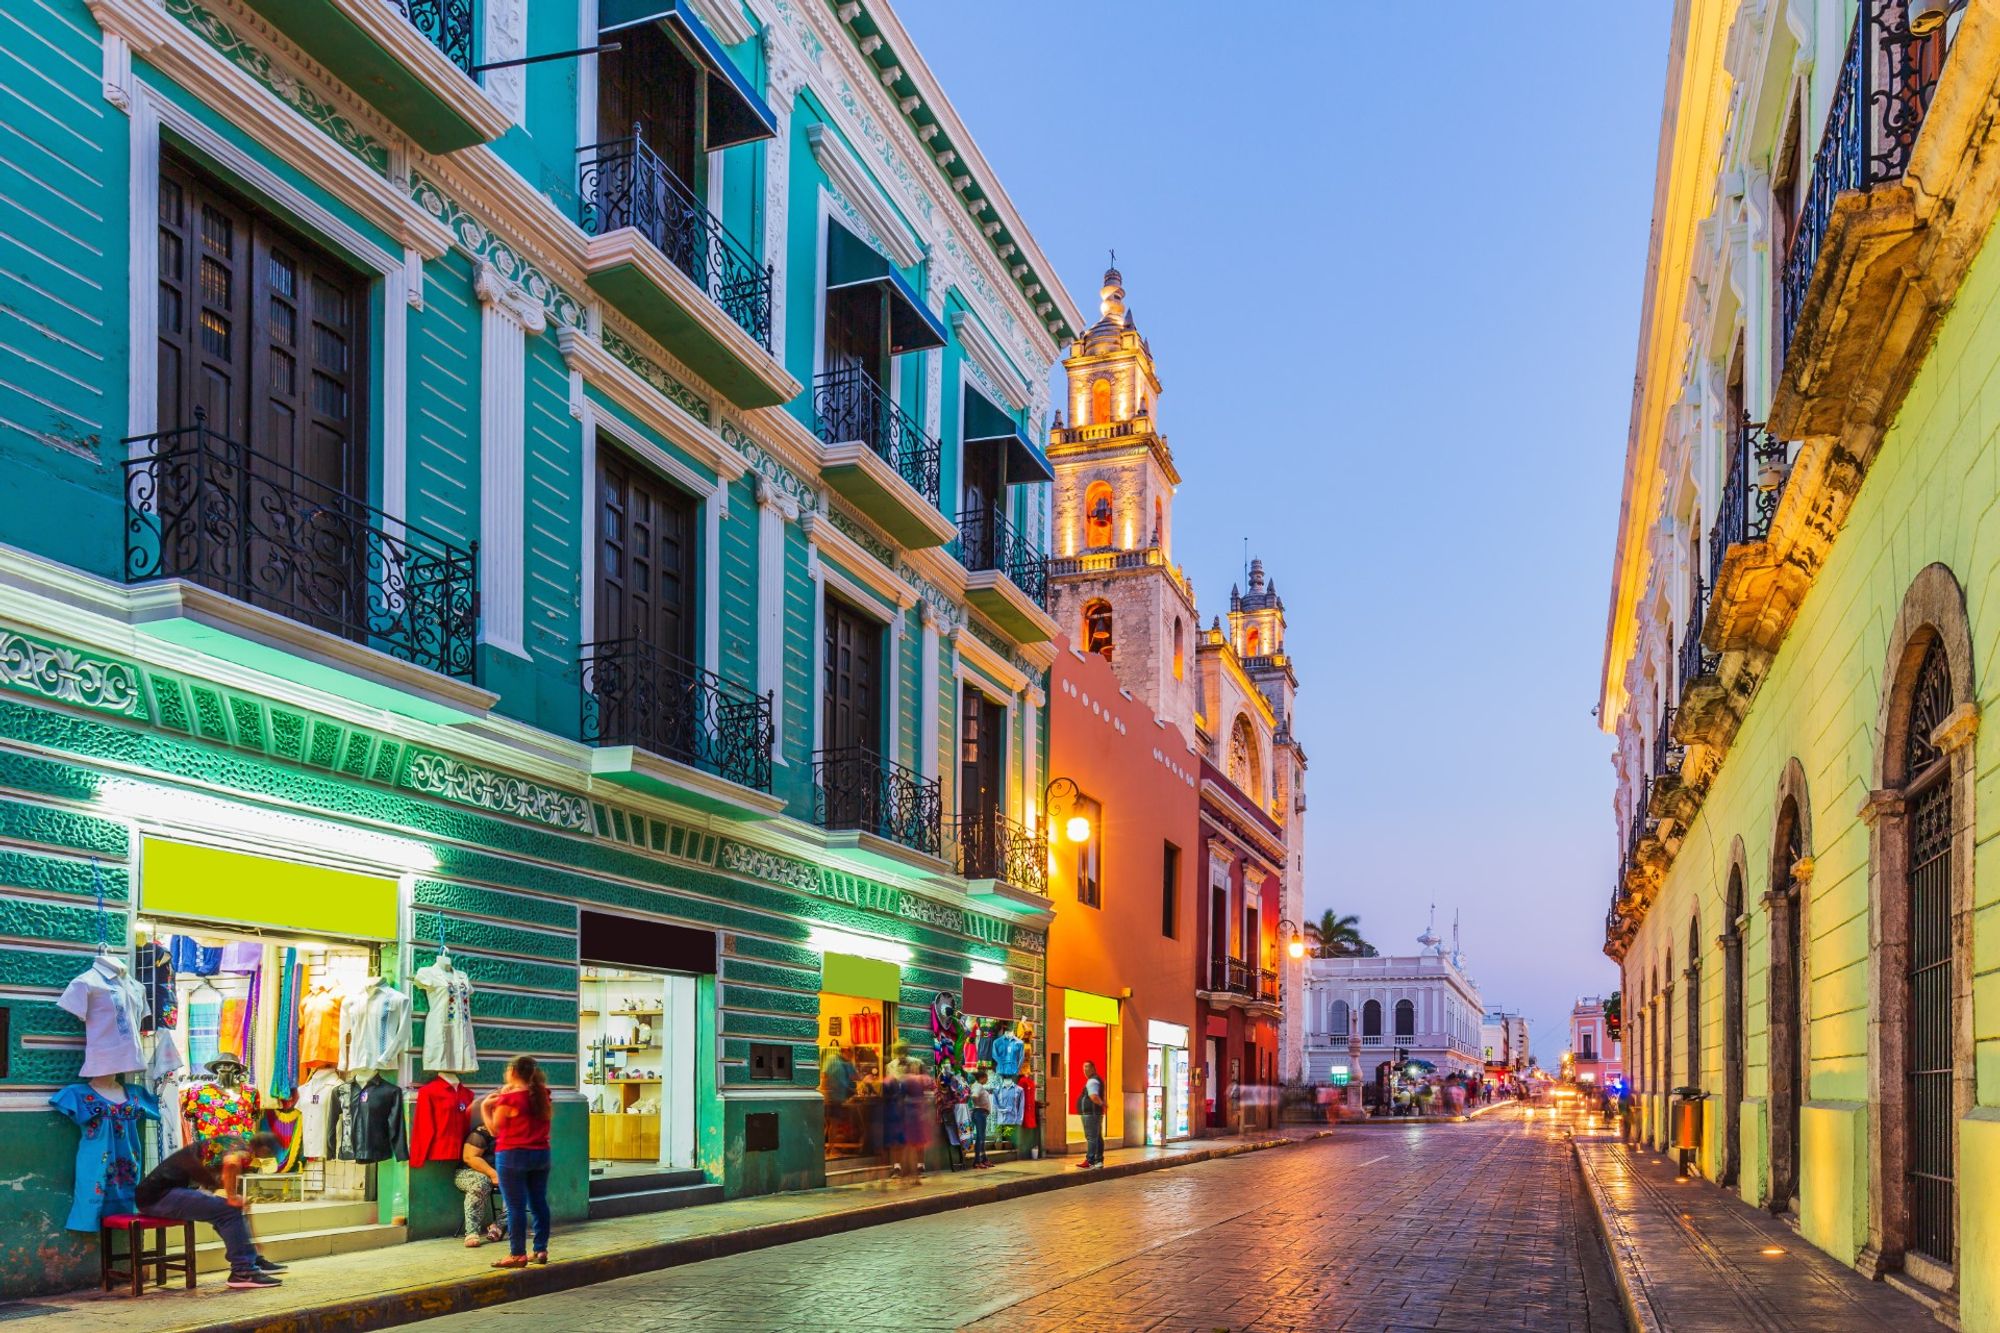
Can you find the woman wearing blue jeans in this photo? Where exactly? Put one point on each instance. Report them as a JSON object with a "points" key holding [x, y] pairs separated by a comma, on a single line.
{"points": [[518, 1117]]}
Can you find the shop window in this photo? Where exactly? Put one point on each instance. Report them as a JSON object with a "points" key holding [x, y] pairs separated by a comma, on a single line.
{"points": [[1097, 628], [856, 1043], [636, 1071]]}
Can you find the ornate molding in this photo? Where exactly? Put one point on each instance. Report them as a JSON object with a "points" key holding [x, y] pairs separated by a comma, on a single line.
{"points": [[69, 675], [508, 298], [858, 188], [1958, 730], [442, 776], [988, 363], [478, 240], [1880, 805]]}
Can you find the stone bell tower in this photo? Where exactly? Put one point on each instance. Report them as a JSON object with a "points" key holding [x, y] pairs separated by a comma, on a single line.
{"points": [[1113, 586]]}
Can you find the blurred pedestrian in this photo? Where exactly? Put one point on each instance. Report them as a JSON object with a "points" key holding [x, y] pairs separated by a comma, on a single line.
{"points": [[836, 1084], [1090, 1107], [518, 1116], [917, 1113]]}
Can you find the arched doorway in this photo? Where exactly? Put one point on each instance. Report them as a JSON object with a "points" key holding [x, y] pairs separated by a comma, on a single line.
{"points": [[1921, 891], [1693, 979], [1371, 1022], [1732, 1028], [1786, 901]]}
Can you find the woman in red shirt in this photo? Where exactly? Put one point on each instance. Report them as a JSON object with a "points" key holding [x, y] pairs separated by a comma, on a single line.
{"points": [[518, 1118]]}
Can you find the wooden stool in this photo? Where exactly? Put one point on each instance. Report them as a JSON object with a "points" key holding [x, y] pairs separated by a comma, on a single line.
{"points": [[137, 1227]]}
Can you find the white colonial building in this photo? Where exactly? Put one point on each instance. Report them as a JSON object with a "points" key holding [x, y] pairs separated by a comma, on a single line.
{"points": [[1424, 1003]]}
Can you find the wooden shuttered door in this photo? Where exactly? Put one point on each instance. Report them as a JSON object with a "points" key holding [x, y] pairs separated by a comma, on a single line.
{"points": [[649, 532], [853, 679]]}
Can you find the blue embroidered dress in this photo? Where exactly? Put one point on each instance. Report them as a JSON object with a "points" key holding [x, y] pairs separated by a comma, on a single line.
{"points": [[107, 1157]]}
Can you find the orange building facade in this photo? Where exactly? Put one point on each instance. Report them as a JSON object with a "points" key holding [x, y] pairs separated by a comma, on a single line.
{"points": [[1119, 964]]}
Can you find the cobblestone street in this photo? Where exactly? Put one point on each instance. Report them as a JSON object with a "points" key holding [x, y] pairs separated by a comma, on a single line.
{"points": [[1475, 1226]]}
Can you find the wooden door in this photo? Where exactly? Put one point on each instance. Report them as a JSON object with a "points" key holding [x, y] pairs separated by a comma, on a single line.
{"points": [[648, 533], [985, 501], [853, 690], [982, 802], [651, 83]]}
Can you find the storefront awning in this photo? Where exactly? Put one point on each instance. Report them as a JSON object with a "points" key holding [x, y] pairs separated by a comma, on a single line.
{"points": [[736, 114], [852, 262], [985, 422]]}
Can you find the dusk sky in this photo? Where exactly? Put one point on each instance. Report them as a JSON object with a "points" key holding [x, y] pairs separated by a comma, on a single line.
{"points": [[1390, 260]]}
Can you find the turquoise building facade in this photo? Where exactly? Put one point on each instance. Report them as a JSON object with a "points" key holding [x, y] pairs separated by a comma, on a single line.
{"points": [[581, 514]]}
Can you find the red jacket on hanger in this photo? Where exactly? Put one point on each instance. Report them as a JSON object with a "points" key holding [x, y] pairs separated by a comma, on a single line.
{"points": [[442, 1121]]}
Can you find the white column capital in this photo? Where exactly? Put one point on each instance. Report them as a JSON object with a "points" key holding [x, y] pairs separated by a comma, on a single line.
{"points": [[770, 497], [506, 298]]}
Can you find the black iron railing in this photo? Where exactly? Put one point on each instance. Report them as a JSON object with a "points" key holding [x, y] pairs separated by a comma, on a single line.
{"points": [[624, 183], [449, 24], [203, 507], [636, 694], [986, 540], [855, 788], [1237, 976], [1756, 478], [1668, 753], [1885, 88], [1267, 984], [988, 845], [1695, 660], [849, 405]]}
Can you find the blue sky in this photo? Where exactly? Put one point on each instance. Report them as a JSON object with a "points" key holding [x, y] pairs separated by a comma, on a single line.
{"points": [[1390, 258]]}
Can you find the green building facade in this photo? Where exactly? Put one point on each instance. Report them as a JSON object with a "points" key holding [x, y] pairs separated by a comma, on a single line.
{"points": [[582, 515]]}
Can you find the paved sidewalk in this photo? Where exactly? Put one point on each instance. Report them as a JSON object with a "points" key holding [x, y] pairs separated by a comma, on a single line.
{"points": [[427, 1278], [1689, 1256]]}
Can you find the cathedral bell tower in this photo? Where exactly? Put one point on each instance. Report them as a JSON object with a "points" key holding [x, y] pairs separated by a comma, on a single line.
{"points": [[1113, 586]]}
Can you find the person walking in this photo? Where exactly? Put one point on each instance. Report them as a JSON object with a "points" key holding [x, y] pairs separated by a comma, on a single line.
{"points": [[1090, 1106], [479, 1182], [185, 1186], [518, 1116], [982, 1111]]}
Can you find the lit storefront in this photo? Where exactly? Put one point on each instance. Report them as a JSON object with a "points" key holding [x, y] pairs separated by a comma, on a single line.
{"points": [[857, 1025], [1167, 1090]]}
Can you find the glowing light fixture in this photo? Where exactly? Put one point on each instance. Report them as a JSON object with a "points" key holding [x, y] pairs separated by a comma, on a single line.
{"points": [[826, 939], [1296, 947], [1077, 828], [985, 971], [1927, 16], [1062, 794], [257, 828]]}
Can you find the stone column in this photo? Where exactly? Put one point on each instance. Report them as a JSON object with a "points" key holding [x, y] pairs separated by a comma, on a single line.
{"points": [[506, 316], [774, 510], [927, 693]]}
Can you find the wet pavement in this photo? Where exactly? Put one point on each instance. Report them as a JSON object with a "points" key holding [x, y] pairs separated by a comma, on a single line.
{"points": [[1481, 1225]]}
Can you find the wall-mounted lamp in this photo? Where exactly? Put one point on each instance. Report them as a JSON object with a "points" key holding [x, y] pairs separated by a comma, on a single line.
{"points": [[1295, 940], [1927, 16], [1062, 799]]}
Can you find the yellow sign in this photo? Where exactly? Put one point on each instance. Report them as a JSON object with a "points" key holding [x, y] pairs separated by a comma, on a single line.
{"points": [[210, 884], [1080, 1006], [862, 978]]}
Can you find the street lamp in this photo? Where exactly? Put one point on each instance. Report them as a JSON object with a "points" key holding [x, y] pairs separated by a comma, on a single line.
{"points": [[1295, 941], [1927, 16], [1076, 827]]}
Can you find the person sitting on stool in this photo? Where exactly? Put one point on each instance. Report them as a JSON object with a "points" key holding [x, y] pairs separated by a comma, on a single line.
{"points": [[485, 1209], [181, 1187]]}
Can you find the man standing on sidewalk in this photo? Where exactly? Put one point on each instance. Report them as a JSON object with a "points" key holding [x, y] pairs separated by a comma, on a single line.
{"points": [[1090, 1106]]}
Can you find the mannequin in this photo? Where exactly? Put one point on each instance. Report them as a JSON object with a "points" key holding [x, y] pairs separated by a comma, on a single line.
{"points": [[448, 1046], [109, 1088], [227, 1106]]}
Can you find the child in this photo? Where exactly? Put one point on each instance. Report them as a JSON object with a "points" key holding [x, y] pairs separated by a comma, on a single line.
{"points": [[982, 1109]]}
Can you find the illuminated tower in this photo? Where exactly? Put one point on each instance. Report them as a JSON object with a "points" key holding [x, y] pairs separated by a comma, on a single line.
{"points": [[1114, 588]]}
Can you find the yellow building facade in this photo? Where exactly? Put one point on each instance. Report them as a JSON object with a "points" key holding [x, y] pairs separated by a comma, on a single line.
{"points": [[1800, 637]]}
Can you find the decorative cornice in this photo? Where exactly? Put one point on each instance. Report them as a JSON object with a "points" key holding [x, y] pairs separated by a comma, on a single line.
{"points": [[861, 192], [822, 534], [588, 357], [986, 354], [507, 297]]}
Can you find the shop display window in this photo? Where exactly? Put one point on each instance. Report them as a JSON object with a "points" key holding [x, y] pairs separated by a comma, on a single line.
{"points": [[270, 1002], [636, 1068], [856, 1037]]}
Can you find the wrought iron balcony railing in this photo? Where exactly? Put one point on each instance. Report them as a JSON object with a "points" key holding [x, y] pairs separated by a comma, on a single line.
{"points": [[1750, 492], [448, 24], [624, 183], [203, 507], [988, 845], [857, 789], [636, 694], [986, 540], [1237, 976], [1695, 660], [1668, 753], [849, 405], [1879, 104]]}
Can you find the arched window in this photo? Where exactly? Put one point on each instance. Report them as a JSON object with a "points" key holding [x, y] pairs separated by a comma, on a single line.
{"points": [[1253, 643], [1406, 1019], [1243, 769], [1338, 1025], [1787, 1004], [1180, 648], [1097, 627], [1159, 521], [1732, 1027], [1097, 513], [1932, 969], [1371, 1019], [1100, 402]]}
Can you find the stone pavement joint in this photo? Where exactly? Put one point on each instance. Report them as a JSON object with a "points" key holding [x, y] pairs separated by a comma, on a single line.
{"points": [[1688, 1256], [430, 1278]]}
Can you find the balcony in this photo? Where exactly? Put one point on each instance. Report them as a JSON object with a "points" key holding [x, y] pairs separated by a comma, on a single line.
{"points": [[1007, 578], [1750, 595], [1239, 981], [412, 60], [879, 458], [1000, 859], [657, 253], [248, 560], [878, 804], [663, 725], [1111, 561], [1845, 273]]}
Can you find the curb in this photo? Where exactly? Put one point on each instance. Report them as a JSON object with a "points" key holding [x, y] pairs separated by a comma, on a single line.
{"points": [[462, 1292], [1639, 1313]]}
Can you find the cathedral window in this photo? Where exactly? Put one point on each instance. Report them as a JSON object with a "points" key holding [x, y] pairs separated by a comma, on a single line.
{"points": [[1097, 627], [1180, 649], [1253, 643], [1100, 402], [1243, 758], [1097, 513]]}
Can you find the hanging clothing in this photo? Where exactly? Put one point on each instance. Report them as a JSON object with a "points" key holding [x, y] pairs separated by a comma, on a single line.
{"points": [[372, 1118], [448, 1047], [316, 1111], [284, 1126], [1007, 1099], [241, 956], [107, 1156], [193, 958], [282, 1031], [154, 968], [1029, 1119], [374, 1027], [163, 1072], [112, 1006], [319, 1029], [441, 1121], [1007, 1050], [204, 1029], [867, 1028], [233, 1032], [216, 1112]]}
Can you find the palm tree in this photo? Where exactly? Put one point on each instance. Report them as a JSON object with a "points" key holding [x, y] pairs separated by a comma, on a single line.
{"points": [[1335, 936]]}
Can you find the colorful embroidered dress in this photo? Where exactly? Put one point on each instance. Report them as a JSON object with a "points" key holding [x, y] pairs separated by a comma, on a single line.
{"points": [[107, 1157], [219, 1112]]}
